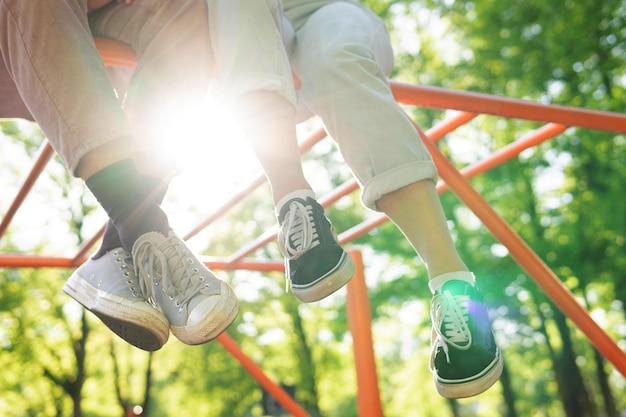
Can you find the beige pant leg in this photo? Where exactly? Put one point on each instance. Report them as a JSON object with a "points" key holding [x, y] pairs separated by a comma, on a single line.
{"points": [[49, 52], [175, 63]]}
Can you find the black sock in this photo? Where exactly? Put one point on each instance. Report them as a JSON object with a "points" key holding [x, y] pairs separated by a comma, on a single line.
{"points": [[110, 238], [123, 194]]}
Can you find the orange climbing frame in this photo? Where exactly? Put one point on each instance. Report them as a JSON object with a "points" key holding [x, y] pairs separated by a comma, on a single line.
{"points": [[469, 105]]}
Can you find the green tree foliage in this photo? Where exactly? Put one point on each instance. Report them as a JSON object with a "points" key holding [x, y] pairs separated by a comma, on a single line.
{"points": [[564, 197]]}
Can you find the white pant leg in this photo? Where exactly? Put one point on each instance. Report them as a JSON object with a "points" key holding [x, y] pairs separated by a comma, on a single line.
{"points": [[342, 57], [49, 52], [248, 43]]}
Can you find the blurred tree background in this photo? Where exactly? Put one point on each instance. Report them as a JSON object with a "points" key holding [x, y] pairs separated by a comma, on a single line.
{"points": [[564, 197]]}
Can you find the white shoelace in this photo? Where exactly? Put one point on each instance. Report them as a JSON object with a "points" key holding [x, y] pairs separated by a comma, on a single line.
{"points": [[180, 279], [450, 316], [298, 234]]}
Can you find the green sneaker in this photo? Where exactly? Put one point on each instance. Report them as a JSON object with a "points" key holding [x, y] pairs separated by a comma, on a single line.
{"points": [[465, 359]]}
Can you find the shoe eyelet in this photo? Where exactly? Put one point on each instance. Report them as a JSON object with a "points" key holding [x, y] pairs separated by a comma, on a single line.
{"points": [[189, 261], [171, 297], [126, 274], [196, 270], [201, 279]]}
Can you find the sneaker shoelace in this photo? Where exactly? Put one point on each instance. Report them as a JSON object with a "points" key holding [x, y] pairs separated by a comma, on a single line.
{"points": [[450, 316], [298, 233], [179, 278]]}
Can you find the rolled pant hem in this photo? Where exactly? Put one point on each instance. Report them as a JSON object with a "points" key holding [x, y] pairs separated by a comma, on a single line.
{"points": [[395, 179]]}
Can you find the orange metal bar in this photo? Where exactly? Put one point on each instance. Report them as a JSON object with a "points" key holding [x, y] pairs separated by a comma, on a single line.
{"points": [[84, 248], [270, 235], [510, 151], [360, 323], [11, 260], [311, 140], [339, 192], [266, 238], [499, 157], [228, 205], [440, 98], [45, 154], [362, 228], [305, 146], [116, 54], [244, 264], [438, 132], [527, 259], [448, 125], [257, 373]]}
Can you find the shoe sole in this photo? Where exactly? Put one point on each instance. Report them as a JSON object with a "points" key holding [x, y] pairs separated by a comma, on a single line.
{"points": [[327, 285], [140, 325], [478, 384], [214, 324]]}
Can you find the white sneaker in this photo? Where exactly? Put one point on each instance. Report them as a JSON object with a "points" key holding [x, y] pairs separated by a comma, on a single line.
{"points": [[197, 304], [109, 288]]}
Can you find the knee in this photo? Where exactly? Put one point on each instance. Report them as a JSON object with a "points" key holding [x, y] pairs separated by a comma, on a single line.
{"points": [[343, 58], [343, 67]]}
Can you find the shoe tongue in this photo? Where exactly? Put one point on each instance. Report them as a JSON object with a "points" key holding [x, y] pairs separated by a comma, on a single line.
{"points": [[439, 281], [455, 287], [299, 194]]}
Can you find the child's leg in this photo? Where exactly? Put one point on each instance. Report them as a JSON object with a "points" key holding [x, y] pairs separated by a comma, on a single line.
{"points": [[269, 122], [167, 37], [111, 238], [342, 59], [49, 51], [173, 70], [255, 75], [416, 210]]}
